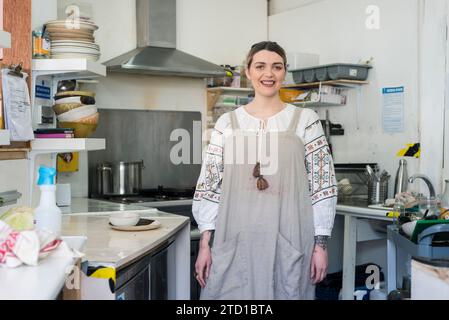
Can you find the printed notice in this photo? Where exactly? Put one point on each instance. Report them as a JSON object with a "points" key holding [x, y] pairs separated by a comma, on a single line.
{"points": [[393, 110]]}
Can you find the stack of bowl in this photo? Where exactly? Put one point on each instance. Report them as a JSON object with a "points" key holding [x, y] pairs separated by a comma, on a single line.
{"points": [[77, 110]]}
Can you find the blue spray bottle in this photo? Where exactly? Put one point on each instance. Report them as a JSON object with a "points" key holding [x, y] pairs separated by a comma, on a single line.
{"points": [[47, 214]]}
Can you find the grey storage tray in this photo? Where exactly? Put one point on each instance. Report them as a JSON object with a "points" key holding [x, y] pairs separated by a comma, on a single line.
{"points": [[298, 76], [336, 71], [309, 75], [321, 74], [348, 71]]}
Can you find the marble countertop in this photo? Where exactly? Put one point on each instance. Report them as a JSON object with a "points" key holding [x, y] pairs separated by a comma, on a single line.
{"points": [[94, 206], [117, 248]]}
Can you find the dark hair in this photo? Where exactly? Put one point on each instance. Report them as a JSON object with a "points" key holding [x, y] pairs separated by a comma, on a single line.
{"points": [[265, 45]]}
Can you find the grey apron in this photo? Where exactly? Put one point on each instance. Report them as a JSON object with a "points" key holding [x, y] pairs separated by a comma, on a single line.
{"points": [[263, 239]]}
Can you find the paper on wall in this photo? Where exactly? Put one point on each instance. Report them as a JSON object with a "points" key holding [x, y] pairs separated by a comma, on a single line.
{"points": [[17, 107], [393, 110]]}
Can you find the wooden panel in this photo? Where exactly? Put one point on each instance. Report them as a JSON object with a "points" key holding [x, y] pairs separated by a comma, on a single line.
{"points": [[17, 21], [12, 155]]}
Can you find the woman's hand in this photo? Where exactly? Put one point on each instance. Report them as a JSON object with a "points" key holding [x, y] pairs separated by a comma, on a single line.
{"points": [[319, 264], [204, 259]]}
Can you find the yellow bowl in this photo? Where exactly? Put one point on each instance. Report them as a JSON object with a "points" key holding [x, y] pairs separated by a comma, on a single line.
{"points": [[93, 119], [82, 130], [289, 95], [64, 107], [64, 94]]}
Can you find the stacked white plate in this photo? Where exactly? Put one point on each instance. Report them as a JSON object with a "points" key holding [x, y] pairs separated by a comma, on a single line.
{"points": [[61, 49], [73, 40]]}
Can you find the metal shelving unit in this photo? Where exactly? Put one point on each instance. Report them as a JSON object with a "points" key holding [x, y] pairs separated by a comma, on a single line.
{"points": [[344, 84]]}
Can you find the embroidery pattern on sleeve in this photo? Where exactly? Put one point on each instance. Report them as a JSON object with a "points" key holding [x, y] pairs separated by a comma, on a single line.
{"points": [[318, 165]]}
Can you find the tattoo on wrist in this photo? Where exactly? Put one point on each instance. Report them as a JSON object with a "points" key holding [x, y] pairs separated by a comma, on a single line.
{"points": [[321, 241], [211, 237]]}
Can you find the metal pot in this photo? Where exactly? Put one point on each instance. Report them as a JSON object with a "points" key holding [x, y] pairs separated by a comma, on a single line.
{"points": [[120, 178]]}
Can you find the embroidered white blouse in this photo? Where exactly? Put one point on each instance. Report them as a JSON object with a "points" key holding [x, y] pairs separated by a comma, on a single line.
{"points": [[318, 161]]}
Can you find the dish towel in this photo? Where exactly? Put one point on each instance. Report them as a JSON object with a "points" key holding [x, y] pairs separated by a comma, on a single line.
{"points": [[28, 247]]}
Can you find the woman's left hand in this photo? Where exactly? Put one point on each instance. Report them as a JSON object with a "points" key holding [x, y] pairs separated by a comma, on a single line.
{"points": [[319, 264]]}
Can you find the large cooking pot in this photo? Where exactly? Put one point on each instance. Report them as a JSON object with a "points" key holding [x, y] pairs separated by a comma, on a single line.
{"points": [[119, 178]]}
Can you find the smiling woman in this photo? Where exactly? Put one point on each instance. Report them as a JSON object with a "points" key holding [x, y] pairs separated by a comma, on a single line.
{"points": [[271, 225]]}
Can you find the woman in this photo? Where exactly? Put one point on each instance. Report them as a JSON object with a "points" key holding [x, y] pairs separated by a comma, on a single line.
{"points": [[269, 227]]}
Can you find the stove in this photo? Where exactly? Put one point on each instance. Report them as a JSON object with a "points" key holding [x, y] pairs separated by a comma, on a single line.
{"points": [[158, 194]]}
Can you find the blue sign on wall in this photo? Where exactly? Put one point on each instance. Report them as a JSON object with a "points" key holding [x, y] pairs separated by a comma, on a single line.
{"points": [[43, 92]]}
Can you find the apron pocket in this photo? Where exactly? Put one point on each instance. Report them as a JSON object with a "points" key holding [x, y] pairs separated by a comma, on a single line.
{"points": [[228, 270], [287, 270]]}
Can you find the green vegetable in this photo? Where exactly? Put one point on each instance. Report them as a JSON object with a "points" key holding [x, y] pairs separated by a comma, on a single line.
{"points": [[19, 218]]}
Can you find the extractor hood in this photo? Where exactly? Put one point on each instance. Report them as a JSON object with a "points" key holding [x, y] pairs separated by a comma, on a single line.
{"points": [[156, 52]]}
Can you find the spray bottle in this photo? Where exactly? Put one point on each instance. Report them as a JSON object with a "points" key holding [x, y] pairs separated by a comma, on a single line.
{"points": [[47, 214]]}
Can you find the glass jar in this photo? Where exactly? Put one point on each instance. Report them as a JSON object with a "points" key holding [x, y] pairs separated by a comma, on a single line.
{"points": [[45, 45], [398, 211], [37, 44]]}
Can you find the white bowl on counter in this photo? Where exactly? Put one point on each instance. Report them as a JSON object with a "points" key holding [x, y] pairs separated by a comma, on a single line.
{"points": [[124, 219]]}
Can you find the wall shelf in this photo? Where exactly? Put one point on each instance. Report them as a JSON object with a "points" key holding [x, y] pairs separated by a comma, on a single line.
{"points": [[55, 146], [55, 70], [309, 104], [230, 89], [4, 138], [68, 68], [337, 83], [43, 146], [5, 39]]}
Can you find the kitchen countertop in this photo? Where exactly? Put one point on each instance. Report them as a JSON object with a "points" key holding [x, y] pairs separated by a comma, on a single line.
{"points": [[118, 248], [41, 282], [94, 206], [360, 209]]}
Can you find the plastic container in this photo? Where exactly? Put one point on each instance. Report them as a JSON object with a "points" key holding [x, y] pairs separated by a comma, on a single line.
{"points": [[47, 215], [334, 71], [348, 71]]}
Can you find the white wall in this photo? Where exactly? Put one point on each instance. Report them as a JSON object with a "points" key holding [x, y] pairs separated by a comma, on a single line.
{"points": [[221, 31], [336, 30], [42, 12], [14, 174], [209, 29], [279, 6]]}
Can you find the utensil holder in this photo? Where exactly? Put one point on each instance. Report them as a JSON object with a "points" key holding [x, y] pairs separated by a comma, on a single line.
{"points": [[377, 191]]}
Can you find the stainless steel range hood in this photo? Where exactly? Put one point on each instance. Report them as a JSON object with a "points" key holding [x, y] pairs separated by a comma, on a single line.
{"points": [[156, 52]]}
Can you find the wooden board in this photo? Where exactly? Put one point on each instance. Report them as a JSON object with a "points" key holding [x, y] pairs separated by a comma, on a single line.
{"points": [[17, 21], [331, 82]]}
